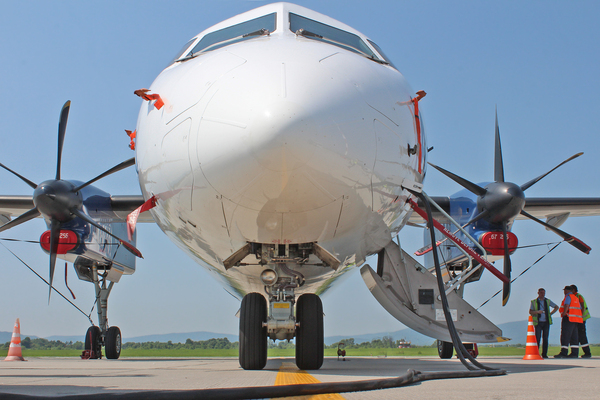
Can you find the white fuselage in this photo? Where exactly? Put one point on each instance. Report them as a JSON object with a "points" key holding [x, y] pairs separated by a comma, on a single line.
{"points": [[279, 139]]}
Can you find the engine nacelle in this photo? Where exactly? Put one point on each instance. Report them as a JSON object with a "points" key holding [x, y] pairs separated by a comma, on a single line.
{"points": [[67, 241], [493, 242]]}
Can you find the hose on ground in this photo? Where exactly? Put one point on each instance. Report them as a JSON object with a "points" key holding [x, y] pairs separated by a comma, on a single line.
{"points": [[261, 392]]}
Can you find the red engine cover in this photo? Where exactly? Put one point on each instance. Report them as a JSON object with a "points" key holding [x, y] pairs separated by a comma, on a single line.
{"points": [[67, 240], [493, 242]]}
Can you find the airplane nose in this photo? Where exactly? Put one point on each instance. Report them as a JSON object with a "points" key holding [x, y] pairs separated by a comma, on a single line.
{"points": [[271, 134], [281, 139]]}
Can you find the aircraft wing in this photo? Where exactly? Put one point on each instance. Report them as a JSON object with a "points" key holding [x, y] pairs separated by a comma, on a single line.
{"points": [[14, 205], [539, 207]]}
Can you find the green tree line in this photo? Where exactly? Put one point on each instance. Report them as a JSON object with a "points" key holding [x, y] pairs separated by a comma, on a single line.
{"points": [[45, 344], [220, 343], [386, 342]]}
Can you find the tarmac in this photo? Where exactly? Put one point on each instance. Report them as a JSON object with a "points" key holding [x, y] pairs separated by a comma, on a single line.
{"points": [[524, 379]]}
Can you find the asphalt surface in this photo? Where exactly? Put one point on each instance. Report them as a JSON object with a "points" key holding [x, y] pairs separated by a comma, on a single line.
{"points": [[57, 377]]}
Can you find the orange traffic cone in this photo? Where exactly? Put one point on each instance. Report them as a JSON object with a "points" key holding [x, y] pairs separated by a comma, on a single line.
{"points": [[532, 351], [14, 351]]}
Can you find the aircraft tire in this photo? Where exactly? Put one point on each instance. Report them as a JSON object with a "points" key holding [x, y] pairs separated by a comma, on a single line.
{"points": [[445, 349], [253, 335], [112, 346], [309, 333], [92, 341]]}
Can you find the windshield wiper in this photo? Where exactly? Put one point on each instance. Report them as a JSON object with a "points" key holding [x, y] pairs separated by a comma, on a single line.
{"points": [[260, 32], [304, 32], [378, 60]]}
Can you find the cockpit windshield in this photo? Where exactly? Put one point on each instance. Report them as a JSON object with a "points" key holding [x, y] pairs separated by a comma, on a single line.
{"points": [[260, 26], [318, 31]]}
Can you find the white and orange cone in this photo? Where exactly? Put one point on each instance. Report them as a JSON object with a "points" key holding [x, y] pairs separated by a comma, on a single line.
{"points": [[14, 351], [532, 351]]}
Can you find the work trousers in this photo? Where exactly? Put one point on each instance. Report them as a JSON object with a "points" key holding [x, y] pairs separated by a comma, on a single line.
{"points": [[583, 340], [569, 336], [542, 329]]}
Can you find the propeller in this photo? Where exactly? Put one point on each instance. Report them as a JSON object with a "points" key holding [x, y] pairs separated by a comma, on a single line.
{"points": [[59, 201], [499, 202]]}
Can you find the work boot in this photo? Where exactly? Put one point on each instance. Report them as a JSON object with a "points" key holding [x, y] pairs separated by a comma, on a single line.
{"points": [[587, 355], [574, 354], [561, 355]]}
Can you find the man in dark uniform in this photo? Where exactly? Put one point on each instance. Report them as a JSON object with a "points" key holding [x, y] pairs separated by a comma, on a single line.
{"points": [[581, 330], [570, 311]]}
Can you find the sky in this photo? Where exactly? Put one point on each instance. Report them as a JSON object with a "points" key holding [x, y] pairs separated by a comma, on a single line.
{"points": [[536, 61]]}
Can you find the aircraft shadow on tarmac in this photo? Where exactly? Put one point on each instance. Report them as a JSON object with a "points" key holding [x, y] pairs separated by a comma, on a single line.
{"points": [[385, 367]]}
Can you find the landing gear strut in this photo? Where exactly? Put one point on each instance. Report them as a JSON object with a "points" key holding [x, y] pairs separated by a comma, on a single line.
{"points": [[96, 336], [285, 318]]}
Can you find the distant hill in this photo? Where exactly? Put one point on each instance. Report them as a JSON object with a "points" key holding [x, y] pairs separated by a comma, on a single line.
{"points": [[6, 336], [516, 330]]}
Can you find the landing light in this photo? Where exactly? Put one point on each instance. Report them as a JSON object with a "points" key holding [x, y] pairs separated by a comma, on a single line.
{"points": [[268, 277]]}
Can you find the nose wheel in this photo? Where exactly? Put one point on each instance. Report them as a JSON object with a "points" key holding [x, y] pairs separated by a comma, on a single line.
{"points": [[309, 333], [253, 332]]}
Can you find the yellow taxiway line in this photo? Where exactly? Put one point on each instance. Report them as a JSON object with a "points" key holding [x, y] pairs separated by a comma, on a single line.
{"points": [[289, 374]]}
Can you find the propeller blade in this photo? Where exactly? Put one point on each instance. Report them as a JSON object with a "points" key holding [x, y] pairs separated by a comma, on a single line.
{"points": [[534, 181], [507, 265], [123, 165], [54, 236], [27, 181], [498, 163], [62, 127], [89, 220], [26, 216], [572, 240], [472, 187]]}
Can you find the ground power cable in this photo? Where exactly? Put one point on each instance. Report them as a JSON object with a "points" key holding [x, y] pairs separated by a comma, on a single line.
{"points": [[461, 351], [262, 392]]}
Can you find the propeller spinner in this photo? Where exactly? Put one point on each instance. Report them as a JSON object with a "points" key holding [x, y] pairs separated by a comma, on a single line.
{"points": [[500, 202], [60, 201]]}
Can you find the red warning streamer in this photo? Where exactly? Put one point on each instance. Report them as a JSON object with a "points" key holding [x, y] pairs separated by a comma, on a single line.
{"points": [[415, 101], [143, 93], [133, 216], [132, 136]]}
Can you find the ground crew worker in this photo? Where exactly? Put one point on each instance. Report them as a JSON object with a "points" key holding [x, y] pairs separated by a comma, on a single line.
{"points": [[581, 331], [570, 311], [542, 318]]}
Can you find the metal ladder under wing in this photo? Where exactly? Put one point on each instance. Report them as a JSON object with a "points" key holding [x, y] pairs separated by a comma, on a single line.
{"points": [[410, 293]]}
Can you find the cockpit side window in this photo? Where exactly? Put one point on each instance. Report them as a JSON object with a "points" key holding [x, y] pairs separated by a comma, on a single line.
{"points": [[182, 51], [233, 34], [386, 58], [318, 31]]}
